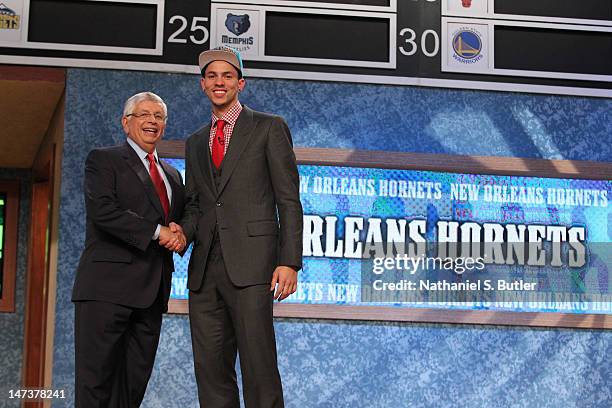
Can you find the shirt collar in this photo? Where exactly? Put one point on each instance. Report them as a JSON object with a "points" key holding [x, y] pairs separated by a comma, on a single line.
{"points": [[230, 116], [141, 153]]}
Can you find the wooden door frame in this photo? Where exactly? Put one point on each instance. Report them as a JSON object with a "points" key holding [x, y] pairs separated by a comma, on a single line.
{"points": [[11, 227], [37, 276]]}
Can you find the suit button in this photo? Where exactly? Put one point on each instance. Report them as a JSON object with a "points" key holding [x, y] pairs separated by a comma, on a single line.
{"points": [[219, 204]]}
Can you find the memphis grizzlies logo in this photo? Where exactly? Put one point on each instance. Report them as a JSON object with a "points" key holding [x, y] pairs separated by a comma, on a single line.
{"points": [[237, 24]]}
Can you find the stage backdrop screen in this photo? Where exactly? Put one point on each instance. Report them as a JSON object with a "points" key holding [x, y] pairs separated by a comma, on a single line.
{"points": [[408, 238]]}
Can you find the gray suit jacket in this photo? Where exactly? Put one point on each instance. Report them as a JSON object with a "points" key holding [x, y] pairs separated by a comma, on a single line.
{"points": [[256, 207]]}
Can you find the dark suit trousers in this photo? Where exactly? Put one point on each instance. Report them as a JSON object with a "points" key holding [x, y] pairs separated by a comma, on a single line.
{"points": [[115, 349], [223, 318]]}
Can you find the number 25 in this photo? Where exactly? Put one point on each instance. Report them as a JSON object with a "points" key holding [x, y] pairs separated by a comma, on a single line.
{"points": [[194, 27]]}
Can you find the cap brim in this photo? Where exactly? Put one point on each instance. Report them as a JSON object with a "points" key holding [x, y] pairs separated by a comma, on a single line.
{"points": [[209, 56]]}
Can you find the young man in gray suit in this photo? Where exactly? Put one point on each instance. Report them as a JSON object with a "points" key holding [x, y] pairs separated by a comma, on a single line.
{"points": [[244, 217]]}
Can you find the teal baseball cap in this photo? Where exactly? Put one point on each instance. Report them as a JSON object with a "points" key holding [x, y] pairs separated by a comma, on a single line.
{"points": [[227, 54]]}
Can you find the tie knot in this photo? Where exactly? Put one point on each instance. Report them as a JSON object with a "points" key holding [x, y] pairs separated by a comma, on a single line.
{"points": [[220, 124], [151, 157]]}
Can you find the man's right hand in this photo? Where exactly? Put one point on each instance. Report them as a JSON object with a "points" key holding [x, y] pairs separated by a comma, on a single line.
{"points": [[172, 237]]}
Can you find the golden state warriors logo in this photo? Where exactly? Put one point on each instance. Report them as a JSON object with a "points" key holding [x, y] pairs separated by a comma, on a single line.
{"points": [[9, 20], [467, 44]]}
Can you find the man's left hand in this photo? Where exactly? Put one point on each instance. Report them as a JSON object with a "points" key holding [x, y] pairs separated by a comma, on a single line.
{"points": [[286, 278]]}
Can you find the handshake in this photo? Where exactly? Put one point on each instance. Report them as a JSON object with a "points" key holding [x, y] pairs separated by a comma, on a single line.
{"points": [[172, 237]]}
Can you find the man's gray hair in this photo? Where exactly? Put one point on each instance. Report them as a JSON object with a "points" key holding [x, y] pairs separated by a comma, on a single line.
{"points": [[134, 100]]}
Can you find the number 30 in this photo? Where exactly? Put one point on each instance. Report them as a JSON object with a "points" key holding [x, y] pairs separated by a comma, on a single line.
{"points": [[413, 45]]}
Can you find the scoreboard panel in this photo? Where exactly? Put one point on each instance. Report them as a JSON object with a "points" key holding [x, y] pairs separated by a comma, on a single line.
{"points": [[369, 5], [553, 49], [544, 46], [101, 26], [569, 9], [337, 41], [589, 12], [531, 49]]}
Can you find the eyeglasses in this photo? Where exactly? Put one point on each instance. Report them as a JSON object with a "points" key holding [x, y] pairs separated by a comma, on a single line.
{"points": [[158, 117]]}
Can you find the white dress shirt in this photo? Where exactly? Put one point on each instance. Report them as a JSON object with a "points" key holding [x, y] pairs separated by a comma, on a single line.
{"points": [[145, 162]]}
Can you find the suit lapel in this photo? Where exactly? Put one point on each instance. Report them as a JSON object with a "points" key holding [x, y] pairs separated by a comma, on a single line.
{"points": [[175, 183], [241, 135], [202, 159], [136, 164]]}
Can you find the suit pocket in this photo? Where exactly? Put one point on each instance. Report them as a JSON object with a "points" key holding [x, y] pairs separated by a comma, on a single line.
{"points": [[257, 228], [111, 256]]}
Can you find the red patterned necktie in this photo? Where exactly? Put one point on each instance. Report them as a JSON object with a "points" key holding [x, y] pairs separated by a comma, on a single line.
{"points": [[218, 144], [159, 184]]}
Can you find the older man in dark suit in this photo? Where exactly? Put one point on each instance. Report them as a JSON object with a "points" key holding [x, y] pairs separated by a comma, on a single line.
{"points": [[244, 216], [124, 275]]}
